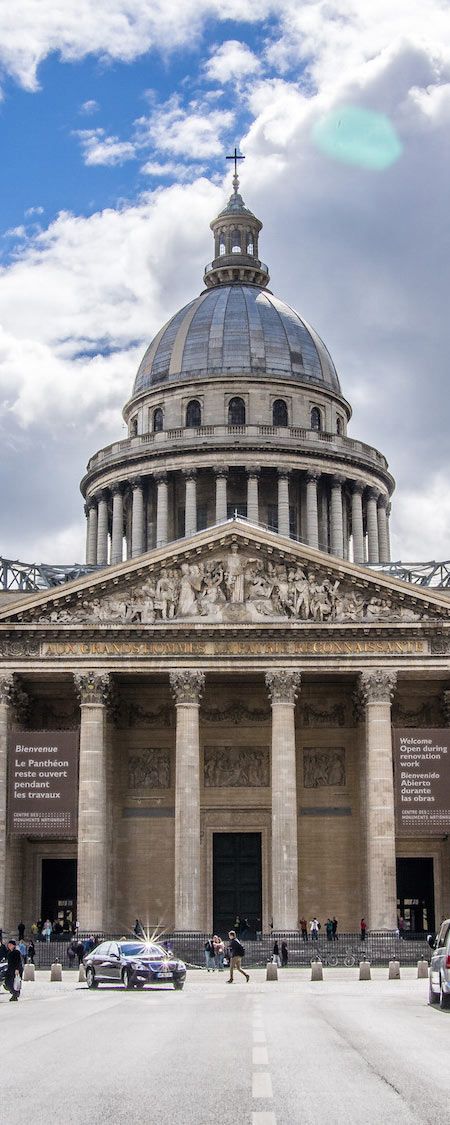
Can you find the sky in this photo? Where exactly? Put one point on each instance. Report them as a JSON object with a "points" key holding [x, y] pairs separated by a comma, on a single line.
{"points": [[115, 121]]}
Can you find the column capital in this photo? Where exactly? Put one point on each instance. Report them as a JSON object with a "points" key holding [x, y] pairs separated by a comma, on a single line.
{"points": [[372, 493], [187, 685], [377, 685], [383, 501], [357, 487], [221, 471], [136, 482], [283, 685], [284, 474], [102, 495], [190, 474], [254, 471], [90, 504], [161, 478], [92, 687], [337, 481], [117, 488], [313, 475]]}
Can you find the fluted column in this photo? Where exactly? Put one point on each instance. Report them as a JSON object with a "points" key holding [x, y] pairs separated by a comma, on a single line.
{"points": [[221, 494], [336, 528], [93, 690], [253, 495], [388, 533], [283, 503], [91, 549], [137, 517], [102, 529], [372, 526], [162, 509], [190, 504], [117, 525], [383, 538], [187, 687], [6, 693], [377, 689], [312, 514], [283, 686], [357, 523]]}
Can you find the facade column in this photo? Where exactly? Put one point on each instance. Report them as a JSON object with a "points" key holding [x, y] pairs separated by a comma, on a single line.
{"points": [[102, 530], [383, 540], [357, 523], [283, 687], [312, 514], [253, 495], [372, 526], [137, 517], [187, 687], [6, 695], [283, 503], [221, 494], [336, 528], [190, 503], [91, 548], [93, 690], [377, 689], [117, 525], [162, 509]]}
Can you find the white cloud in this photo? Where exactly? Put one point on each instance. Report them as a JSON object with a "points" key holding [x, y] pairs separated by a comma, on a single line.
{"points": [[33, 211], [89, 107], [181, 172], [99, 148], [193, 132], [231, 60]]}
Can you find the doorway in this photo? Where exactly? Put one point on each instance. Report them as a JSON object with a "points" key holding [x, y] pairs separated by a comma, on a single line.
{"points": [[237, 883], [59, 892], [415, 894]]}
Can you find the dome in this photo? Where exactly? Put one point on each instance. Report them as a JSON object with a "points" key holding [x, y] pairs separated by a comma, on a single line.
{"points": [[239, 329]]}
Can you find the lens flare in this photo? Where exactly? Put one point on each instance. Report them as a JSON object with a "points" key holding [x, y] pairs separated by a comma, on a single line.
{"points": [[358, 136]]}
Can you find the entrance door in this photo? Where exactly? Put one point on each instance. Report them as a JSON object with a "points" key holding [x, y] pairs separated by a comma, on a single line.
{"points": [[415, 894], [237, 886], [59, 891]]}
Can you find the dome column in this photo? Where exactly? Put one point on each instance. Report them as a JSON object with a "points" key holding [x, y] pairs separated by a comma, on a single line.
{"points": [[91, 537], [253, 495], [357, 523], [221, 476], [137, 517], [161, 509], [117, 525], [283, 503], [190, 503], [336, 528], [372, 526], [383, 538], [102, 530], [312, 514]]}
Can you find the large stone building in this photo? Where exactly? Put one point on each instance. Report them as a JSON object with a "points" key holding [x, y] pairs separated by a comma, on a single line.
{"points": [[234, 666]]}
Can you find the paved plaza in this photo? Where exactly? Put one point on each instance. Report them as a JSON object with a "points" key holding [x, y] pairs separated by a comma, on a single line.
{"points": [[265, 1053]]}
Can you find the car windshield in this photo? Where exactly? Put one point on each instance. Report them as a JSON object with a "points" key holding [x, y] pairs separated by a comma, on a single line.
{"points": [[138, 949]]}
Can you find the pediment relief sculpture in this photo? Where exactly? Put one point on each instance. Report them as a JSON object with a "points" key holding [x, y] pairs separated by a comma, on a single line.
{"points": [[149, 769], [236, 767], [234, 587], [323, 767]]}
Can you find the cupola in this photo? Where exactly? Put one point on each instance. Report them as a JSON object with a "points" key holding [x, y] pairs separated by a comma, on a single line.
{"points": [[236, 231]]}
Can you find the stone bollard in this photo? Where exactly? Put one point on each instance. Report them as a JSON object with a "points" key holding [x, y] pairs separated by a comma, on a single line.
{"points": [[28, 971], [82, 975], [56, 971], [271, 971], [364, 970], [422, 969], [394, 970], [316, 970]]}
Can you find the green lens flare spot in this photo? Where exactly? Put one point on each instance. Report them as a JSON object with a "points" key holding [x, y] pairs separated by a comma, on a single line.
{"points": [[358, 136]]}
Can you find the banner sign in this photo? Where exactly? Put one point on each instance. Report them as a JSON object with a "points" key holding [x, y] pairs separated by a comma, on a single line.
{"points": [[43, 783], [422, 781]]}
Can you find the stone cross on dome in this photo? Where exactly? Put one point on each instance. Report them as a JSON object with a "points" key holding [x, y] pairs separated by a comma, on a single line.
{"points": [[236, 156]]}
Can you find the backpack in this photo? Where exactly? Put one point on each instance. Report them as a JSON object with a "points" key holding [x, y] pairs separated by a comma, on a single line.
{"points": [[239, 950]]}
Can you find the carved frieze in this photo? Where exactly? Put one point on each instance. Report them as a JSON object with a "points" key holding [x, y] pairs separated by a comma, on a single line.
{"points": [[236, 767], [235, 713], [149, 769], [19, 646], [333, 716], [323, 766]]}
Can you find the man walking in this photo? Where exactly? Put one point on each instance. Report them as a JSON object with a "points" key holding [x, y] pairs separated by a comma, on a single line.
{"points": [[236, 954], [14, 970]]}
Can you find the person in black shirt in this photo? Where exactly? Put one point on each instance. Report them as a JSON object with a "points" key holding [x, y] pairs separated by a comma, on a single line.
{"points": [[14, 966], [236, 954]]}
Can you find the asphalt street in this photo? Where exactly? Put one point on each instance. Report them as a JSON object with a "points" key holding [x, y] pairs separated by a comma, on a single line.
{"points": [[263, 1053]]}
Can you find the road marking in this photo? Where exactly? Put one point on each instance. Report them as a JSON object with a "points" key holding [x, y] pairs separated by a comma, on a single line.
{"points": [[260, 1056], [264, 1119], [259, 1035], [262, 1085]]}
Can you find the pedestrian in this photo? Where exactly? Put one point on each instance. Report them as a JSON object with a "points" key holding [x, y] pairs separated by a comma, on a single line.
{"points": [[401, 926], [3, 950], [237, 952], [304, 928], [284, 955], [79, 950], [329, 929], [276, 954], [13, 978], [363, 928], [335, 929], [138, 929], [47, 930], [21, 945], [219, 950], [31, 951], [314, 929], [71, 953], [237, 924], [21, 930], [209, 955]]}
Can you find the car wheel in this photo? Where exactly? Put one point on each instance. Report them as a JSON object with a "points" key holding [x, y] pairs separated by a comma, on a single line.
{"points": [[444, 999], [90, 978], [126, 979], [433, 997], [178, 985]]}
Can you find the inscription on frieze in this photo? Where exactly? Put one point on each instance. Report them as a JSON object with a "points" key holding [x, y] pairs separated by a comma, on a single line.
{"points": [[247, 647], [323, 766], [149, 769], [236, 766]]}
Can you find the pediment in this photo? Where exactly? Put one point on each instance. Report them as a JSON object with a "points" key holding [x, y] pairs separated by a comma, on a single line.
{"points": [[230, 575]]}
